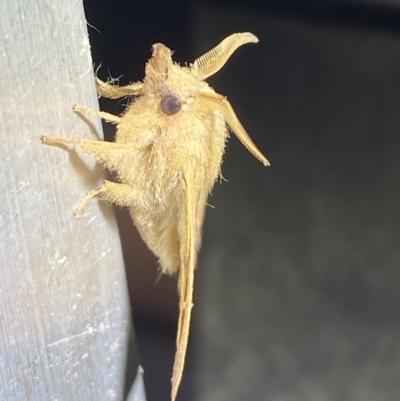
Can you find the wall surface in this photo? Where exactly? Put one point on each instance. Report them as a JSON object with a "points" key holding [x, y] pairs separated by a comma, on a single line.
{"points": [[65, 324]]}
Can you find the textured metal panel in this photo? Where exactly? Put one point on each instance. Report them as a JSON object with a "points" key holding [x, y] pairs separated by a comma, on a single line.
{"points": [[65, 325]]}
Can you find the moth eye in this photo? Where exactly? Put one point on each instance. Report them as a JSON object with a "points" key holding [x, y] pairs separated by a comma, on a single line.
{"points": [[170, 105]]}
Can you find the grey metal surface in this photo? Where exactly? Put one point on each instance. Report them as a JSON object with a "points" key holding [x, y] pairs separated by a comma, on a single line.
{"points": [[137, 391], [298, 286], [65, 325]]}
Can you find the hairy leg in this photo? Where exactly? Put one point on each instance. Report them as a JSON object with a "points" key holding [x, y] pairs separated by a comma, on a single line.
{"points": [[115, 91], [122, 195], [102, 114], [109, 154]]}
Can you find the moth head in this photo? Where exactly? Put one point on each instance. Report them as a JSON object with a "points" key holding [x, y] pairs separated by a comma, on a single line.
{"points": [[160, 62], [158, 71]]}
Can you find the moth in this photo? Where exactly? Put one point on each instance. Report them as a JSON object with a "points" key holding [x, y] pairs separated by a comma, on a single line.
{"points": [[167, 156]]}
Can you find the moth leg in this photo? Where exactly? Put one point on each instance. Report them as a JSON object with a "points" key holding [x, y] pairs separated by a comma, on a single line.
{"points": [[102, 114], [89, 196], [115, 91], [109, 154], [122, 195], [51, 140]]}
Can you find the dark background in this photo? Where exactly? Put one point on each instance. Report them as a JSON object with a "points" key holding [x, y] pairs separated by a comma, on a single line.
{"points": [[297, 290]]}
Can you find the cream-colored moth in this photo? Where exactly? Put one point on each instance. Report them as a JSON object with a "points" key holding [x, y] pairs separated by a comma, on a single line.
{"points": [[167, 156]]}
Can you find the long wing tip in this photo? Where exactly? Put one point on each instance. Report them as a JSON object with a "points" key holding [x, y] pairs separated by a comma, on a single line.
{"points": [[175, 382], [173, 394]]}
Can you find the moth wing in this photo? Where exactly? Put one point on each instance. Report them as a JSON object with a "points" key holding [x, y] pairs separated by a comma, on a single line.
{"points": [[200, 214], [189, 231]]}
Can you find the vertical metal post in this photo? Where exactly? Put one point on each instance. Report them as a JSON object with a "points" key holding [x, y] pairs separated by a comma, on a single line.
{"points": [[65, 325]]}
